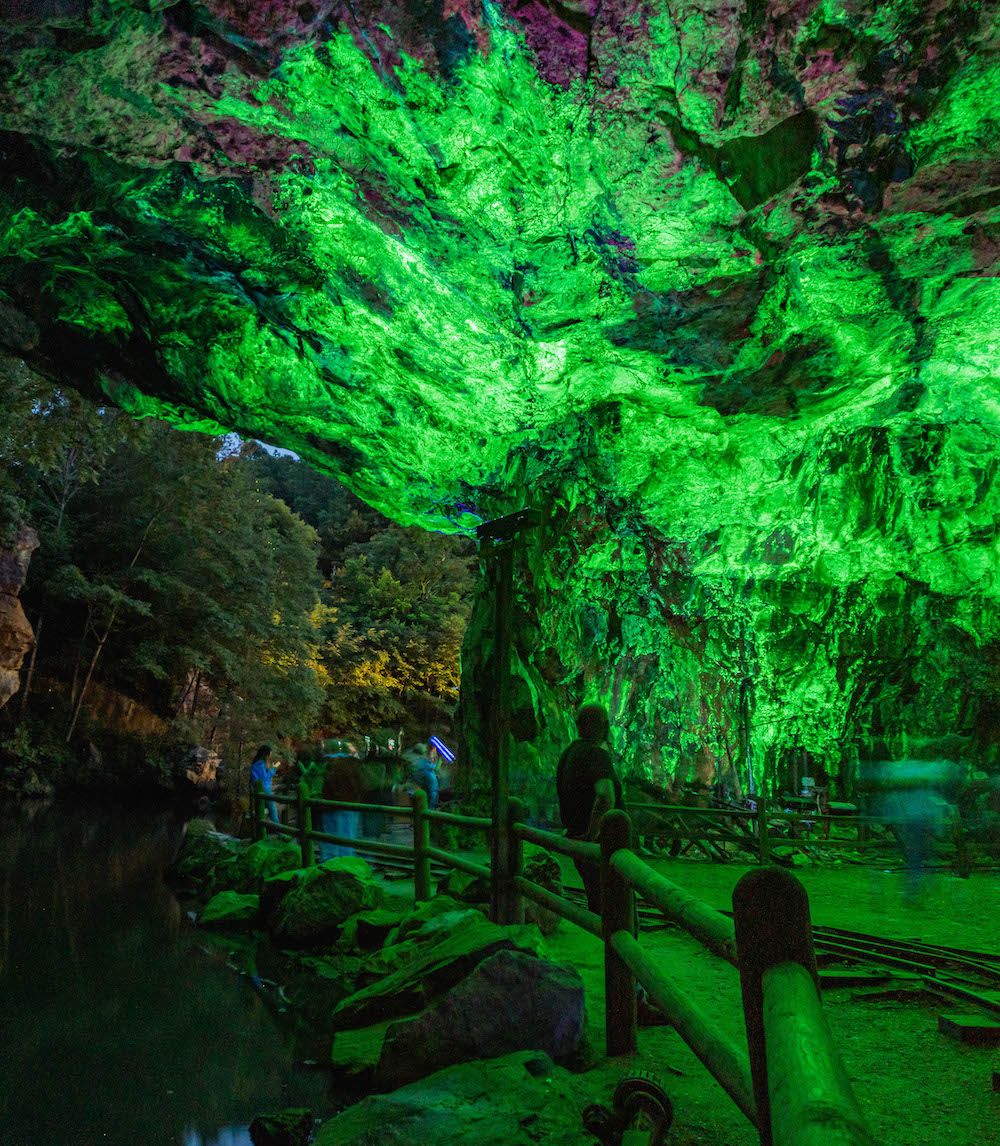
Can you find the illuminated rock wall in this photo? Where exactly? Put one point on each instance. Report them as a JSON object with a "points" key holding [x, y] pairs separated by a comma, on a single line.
{"points": [[714, 284]]}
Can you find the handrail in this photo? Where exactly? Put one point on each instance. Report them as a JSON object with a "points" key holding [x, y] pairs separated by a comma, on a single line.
{"points": [[792, 1085], [727, 1065], [459, 863], [803, 1095], [575, 849], [405, 810], [587, 920], [812, 1103], [483, 822], [711, 928]]}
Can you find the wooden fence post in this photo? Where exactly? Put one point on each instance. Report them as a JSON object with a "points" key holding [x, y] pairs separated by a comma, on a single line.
{"points": [[511, 899], [617, 914], [259, 811], [771, 915], [763, 841], [304, 816], [421, 842]]}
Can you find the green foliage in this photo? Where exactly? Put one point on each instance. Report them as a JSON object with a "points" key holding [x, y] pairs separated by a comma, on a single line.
{"points": [[395, 605], [166, 579]]}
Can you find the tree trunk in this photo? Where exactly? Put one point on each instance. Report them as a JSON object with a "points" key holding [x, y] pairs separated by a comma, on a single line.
{"points": [[30, 675]]}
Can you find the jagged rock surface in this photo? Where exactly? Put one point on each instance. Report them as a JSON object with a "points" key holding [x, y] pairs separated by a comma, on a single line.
{"points": [[516, 1100], [16, 637], [511, 1001], [711, 285]]}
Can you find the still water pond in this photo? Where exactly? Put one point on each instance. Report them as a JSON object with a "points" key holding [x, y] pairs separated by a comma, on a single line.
{"points": [[116, 1027]]}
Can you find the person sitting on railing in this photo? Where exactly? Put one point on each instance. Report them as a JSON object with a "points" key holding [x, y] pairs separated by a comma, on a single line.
{"points": [[343, 781], [588, 787], [262, 772]]}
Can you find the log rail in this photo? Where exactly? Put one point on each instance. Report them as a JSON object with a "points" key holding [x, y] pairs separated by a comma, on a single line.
{"points": [[788, 1081]]}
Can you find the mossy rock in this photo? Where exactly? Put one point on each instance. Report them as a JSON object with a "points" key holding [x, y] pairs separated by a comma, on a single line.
{"points": [[230, 909], [322, 899], [290, 1127], [250, 869], [202, 852]]}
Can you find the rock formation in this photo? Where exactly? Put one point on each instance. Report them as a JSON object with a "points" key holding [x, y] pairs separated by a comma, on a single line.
{"points": [[16, 637], [711, 286]]}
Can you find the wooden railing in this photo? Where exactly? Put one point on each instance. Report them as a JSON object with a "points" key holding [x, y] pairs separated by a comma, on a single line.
{"points": [[789, 1082]]}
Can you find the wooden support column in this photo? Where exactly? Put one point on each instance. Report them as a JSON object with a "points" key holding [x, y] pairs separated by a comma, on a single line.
{"points": [[304, 818], [617, 914], [763, 840], [497, 540], [513, 900], [421, 848], [259, 810], [771, 916]]}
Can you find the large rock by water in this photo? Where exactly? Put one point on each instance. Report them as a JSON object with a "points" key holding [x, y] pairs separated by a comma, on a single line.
{"points": [[251, 867], [203, 852], [521, 1099], [510, 1001], [431, 968], [321, 899]]}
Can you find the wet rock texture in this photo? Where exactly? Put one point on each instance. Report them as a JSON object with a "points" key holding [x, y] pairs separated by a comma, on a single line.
{"points": [[519, 1098], [16, 637], [511, 1001], [711, 285]]}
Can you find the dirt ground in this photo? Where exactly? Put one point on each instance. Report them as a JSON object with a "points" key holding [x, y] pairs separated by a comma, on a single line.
{"points": [[917, 1087]]}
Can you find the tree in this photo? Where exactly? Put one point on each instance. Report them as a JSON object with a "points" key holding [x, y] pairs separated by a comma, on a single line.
{"points": [[398, 602]]}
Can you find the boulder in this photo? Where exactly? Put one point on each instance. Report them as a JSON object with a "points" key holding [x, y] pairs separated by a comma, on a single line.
{"points": [[372, 928], [322, 899], [430, 969], [203, 851], [430, 909], [197, 767], [464, 887], [253, 866], [543, 868], [511, 1001], [290, 1127], [511, 1101], [230, 909]]}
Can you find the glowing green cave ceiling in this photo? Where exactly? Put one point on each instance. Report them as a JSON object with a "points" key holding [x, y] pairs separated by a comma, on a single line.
{"points": [[713, 283]]}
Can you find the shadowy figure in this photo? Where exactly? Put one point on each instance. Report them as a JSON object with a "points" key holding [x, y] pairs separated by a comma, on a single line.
{"points": [[424, 772], [262, 772], [905, 794], [343, 781], [588, 787]]}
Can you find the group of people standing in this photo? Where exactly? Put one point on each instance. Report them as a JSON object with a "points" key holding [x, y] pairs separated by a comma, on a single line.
{"points": [[381, 778]]}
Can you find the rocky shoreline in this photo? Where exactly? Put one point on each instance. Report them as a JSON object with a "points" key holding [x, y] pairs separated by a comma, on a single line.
{"points": [[436, 1024]]}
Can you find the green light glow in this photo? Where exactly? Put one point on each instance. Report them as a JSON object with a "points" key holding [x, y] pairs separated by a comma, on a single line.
{"points": [[722, 304]]}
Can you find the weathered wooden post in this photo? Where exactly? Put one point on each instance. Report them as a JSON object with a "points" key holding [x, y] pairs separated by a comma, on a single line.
{"points": [[304, 818], [421, 843], [259, 811], [513, 900], [617, 914], [792, 1056], [497, 540], [763, 841]]}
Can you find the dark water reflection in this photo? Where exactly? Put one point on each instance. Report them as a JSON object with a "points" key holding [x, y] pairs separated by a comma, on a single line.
{"points": [[115, 1027]]}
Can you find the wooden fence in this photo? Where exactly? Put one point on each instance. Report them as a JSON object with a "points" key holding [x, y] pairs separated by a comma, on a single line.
{"points": [[789, 1081]]}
